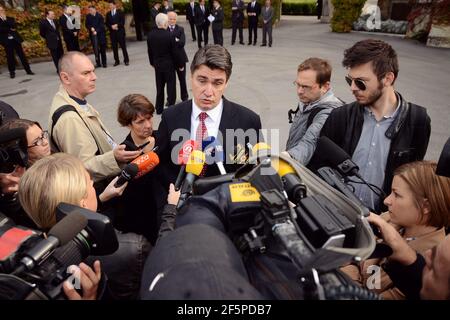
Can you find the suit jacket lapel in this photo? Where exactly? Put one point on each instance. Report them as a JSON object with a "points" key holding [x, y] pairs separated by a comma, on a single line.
{"points": [[226, 122]]}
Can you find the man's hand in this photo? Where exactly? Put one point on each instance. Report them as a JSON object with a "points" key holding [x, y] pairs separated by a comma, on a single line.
{"points": [[173, 196], [123, 156], [88, 280], [9, 182], [401, 251], [111, 191]]}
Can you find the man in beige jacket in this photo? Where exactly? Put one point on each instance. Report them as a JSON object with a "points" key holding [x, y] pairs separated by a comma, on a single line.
{"points": [[77, 129]]}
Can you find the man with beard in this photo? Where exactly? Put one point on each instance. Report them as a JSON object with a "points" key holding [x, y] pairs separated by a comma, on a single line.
{"points": [[380, 130]]}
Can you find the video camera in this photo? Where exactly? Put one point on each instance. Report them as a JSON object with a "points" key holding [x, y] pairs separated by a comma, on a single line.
{"points": [[13, 150], [34, 267], [278, 208]]}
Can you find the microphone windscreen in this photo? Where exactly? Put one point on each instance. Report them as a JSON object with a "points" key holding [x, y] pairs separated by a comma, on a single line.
{"points": [[207, 142], [196, 162], [68, 228], [214, 153], [146, 163], [282, 167], [330, 152], [261, 149], [185, 151]]}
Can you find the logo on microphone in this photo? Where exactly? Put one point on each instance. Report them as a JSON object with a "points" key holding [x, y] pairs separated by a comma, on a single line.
{"points": [[187, 148]]}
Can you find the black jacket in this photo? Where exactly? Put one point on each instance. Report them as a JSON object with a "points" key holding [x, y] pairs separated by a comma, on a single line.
{"points": [[6, 31], [201, 19], [66, 32], [98, 23], [178, 33], [189, 14], [217, 24], [234, 116], [119, 19], [50, 34], [162, 51], [410, 133]]}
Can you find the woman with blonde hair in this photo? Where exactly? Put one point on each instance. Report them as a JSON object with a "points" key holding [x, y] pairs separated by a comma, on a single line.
{"points": [[419, 207]]}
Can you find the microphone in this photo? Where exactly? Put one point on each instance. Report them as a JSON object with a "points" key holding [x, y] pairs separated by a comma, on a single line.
{"points": [[214, 153], [128, 173], [261, 150], [146, 163], [293, 185], [59, 235], [334, 155], [183, 158], [194, 168]]}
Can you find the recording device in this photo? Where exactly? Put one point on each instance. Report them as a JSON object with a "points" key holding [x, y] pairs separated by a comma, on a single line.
{"points": [[194, 168], [183, 158], [214, 153], [13, 150], [35, 267], [127, 174], [443, 166], [146, 163]]}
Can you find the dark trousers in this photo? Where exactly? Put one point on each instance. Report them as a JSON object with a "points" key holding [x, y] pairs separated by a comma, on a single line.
{"points": [[218, 36], [57, 53], [192, 24], [163, 78], [182, 80], [99, 51], [237, 26], [17, 47], [72, 44], [267, 30], [118, 38], [202, 34], [252, 28]]}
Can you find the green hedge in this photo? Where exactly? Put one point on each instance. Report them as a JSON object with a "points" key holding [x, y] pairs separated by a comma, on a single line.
{"points": [[345, 13], [299, 9]]}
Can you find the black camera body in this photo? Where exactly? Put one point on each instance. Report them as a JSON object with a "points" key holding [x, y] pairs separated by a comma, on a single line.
{"points": [[13, 150], [32, 267]]}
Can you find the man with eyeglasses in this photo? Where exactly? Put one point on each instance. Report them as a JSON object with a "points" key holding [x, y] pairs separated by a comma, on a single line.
{"points": [[380, 130], [317, 100]]}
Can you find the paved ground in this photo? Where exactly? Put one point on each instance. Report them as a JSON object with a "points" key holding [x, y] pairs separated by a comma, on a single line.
{"points": [[261, 80]]}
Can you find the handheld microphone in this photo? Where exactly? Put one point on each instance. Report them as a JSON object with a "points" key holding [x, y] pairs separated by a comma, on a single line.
{"points": [[183, 158], [128, 173], [146, 163], [293, 185], [59, 235], [214, 153], [336, 157], [194, 168], [261, 150]]}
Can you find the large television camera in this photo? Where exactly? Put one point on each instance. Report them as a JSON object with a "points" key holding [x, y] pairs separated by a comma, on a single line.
{"points": [[34, 267], [278, 208], [13, 150]]}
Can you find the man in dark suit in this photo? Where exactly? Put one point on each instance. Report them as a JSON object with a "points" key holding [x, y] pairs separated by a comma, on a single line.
{"points": [[237, 20], [253, 12], [12, 41], [141, 14], [153, 13], [69, 29], [166, 8], [202, 23], [49, 30], [217, 24], [115, 21], [162, 53], [180, 40], [95, 24], [208, 114], [190, 16]]}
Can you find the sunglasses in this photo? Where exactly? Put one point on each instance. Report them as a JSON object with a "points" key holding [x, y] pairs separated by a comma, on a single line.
{"points": [[359, 83]]}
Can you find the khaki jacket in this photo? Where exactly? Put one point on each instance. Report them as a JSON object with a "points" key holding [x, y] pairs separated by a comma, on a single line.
{"points": [[73, 137]]}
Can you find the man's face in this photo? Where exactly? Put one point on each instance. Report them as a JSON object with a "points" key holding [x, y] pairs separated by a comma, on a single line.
{"points": [[51, 15], [308, 90], [208, 86], [172, 18], [2, 11], [112, 6], [436, 274], [80, 79], [267, 3], [92, 11], [374, 88]]}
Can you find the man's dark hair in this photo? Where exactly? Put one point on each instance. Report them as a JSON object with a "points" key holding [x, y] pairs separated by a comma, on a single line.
{"points": [[381, 54], [213, 56], [320, 66]]}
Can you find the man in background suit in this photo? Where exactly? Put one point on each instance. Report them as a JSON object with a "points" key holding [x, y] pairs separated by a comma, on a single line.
{"points": [[202, 23], [95, 24], [253, 12], [153, 13], [190, 16], [115, 21], [12, 41], [141, 14], [217, 24], [207, 114], [180, 40], [163, 57], [267, 16], [49, 30], [237, 20], [69, 30], [166, 7]]}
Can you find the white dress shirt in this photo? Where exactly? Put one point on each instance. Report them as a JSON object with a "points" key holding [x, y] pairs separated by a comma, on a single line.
{"points": [[212, 122]]}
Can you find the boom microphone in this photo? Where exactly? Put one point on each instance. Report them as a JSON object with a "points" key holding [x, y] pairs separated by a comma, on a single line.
{"points": [[146, 163], [128, 173], [334, 155], [183, 158]]}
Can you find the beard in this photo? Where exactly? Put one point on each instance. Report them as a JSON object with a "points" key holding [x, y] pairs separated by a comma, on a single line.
{"points": [[372, 96]]}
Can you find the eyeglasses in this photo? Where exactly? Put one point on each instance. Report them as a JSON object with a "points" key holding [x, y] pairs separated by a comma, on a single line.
{"points": [[40, 141], [359, 83], [304, 87]]}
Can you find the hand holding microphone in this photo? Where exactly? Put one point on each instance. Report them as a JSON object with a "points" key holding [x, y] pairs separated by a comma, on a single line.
{"points": [[114, 189]]}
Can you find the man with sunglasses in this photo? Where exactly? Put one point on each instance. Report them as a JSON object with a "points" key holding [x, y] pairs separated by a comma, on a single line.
{"points": [[380, 130], [317, 100]]}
